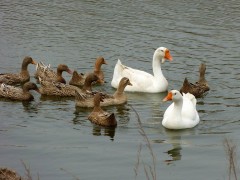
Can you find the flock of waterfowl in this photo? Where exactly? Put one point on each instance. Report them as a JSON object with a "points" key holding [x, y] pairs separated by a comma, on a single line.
{"points": [[180, 114]]}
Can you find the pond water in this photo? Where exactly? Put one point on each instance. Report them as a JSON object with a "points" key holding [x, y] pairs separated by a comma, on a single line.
{"points": [[58, 142]]}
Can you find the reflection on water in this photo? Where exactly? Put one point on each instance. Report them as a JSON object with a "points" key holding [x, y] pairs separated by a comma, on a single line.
{"points": [[121, 112], [175, 152], [104, 131]]}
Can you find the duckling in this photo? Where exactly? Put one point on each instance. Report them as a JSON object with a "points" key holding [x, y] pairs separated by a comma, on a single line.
{"points": [[46, 73], [78, 79], [200, 87], [22, 77], [17, 93], [119, 97], [99, 116], [60, 89]]}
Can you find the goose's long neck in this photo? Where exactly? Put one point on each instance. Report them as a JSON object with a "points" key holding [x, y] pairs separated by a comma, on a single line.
{"points": [[178, 107], [156, 66]]}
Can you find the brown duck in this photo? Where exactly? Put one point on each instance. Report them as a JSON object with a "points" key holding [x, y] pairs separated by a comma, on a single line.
{"points": [[79, 79], [119, 97], [59, 89], [21, 77], [99, 116], [200, 87], [46, 73], [17, 93], [9, 174]]}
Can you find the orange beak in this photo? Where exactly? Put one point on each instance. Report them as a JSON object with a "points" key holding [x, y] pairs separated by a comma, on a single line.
{"points": [[168, 55], [168, 97], [34, 62]]}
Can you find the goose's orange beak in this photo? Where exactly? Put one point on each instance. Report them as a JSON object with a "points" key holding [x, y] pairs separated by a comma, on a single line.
{"points": [[168, 55], [168, 97]]}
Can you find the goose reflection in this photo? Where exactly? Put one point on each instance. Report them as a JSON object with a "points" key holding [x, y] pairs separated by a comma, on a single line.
{"points": [[175, 151], [175, 138]]}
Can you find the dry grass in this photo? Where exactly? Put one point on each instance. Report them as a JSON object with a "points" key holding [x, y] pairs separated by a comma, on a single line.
{"points": [[231, 149], [27, 172], [150, 170]]}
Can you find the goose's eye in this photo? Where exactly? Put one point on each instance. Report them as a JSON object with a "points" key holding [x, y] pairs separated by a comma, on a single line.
{"points": [[175, 93], [161, 50]]}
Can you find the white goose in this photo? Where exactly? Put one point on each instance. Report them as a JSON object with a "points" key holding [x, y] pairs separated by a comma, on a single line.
{"points": [[182, 113], [143, 81]]}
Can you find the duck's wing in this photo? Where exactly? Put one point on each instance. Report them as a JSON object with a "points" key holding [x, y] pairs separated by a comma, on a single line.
{"points": [[9, 78]]}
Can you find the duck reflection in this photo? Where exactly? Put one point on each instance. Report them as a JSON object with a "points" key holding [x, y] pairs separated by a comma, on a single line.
{"points": [[104, 131], [30, 106], [123, 114]]}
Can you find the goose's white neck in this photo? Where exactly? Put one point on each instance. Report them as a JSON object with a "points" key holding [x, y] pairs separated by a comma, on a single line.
{"points": [[178, 107], [156, 65]]}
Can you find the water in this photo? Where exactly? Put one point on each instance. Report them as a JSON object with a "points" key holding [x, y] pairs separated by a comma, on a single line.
{"points": [[57, 141]]}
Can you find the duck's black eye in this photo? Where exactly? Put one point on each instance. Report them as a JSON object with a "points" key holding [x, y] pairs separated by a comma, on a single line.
{"points": [[161, 50], [175, 93]]}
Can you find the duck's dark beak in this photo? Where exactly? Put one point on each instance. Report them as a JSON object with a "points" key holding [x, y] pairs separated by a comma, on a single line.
{"points": [[34, 62]]}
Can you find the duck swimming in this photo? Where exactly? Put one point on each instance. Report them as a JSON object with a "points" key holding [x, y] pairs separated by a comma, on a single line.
{"points": [[182, 113], [22, 77], [79, 79], [46, 73], [141, 80], [119, 97], [99, 116], [17, 93], [200, 87], [60, 89]]}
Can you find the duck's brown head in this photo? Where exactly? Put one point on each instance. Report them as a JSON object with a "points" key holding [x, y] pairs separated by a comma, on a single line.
{"points": [[63, 67], [202, 70], [125, 81], [26, 61], [202, 67], [99, 97], [91, 78], [99, 61], [30, 86]]}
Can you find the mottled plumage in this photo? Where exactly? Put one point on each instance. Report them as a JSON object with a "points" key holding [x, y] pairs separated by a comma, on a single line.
{"points": [[46, 73], [59, 89], [17, 93], [200, 87], [99, 116], [79, 79], [22, 77], [119, 97]]}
